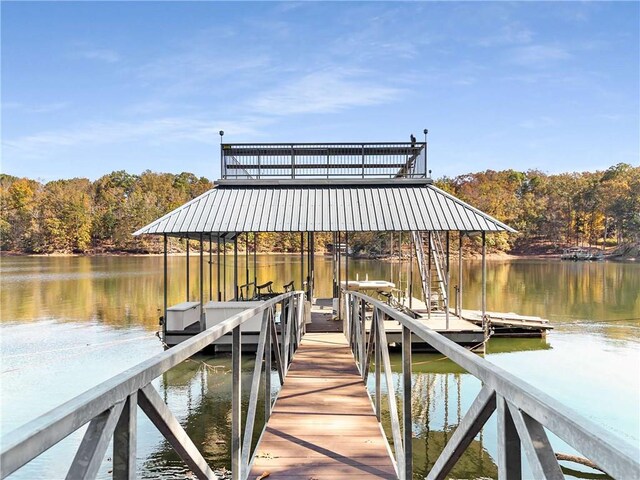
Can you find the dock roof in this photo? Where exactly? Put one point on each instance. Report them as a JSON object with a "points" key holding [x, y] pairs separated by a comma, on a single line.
{"points": [[322, 206]]}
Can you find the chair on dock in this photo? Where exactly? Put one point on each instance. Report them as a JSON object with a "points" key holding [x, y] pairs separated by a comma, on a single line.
{"points": [[245, 290], [261, 294], [289, 287]]}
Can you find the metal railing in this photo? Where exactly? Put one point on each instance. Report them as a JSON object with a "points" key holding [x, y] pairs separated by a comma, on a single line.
{"points": [[323, 160], [110, 408], [524, 412]]}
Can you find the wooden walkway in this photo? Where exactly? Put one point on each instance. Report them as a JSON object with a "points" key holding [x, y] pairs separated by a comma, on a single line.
{"points": [[323, 425]]}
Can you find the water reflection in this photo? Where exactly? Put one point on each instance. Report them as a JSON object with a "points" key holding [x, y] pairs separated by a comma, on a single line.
{"points": [[198, 392], [89, 318], [127, 291]]}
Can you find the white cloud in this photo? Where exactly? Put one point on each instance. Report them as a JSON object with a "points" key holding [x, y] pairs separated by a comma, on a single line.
{"points": [[190, 72], [324, 92], [41, 108], [539, 122], [100, 54], [538, 55], [512, 33], [154, 131]]}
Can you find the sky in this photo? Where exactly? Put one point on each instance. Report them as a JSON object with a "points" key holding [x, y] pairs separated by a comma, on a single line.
{"points": [[93, 87]]}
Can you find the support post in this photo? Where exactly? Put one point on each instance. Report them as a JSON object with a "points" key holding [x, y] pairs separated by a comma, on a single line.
{"points": [[312, 264], [255, 263], [224, 269], [346, 260], [448, 274], [235, 268], [459, 301], [363, 336], [407, 417], [218, 270], [429, 284], [188, 269], [236, 420], [210, 269], [484, 283], [202, 322], [509, 451], [246, 262], [165, 289], [301, 260], [378, 362], [339, 285], [124, 441]]}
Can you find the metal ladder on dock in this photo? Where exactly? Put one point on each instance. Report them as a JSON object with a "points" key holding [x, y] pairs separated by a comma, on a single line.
{"points": [[431, 267]]}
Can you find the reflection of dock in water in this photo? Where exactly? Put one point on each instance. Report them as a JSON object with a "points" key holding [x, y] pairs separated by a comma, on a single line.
{"points": [[439, 403]]}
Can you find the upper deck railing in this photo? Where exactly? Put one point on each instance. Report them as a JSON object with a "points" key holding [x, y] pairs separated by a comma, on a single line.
{"points": [[323, 160]]}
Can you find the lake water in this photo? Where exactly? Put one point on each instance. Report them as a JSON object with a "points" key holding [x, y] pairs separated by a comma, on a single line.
{"points": [[68, 323]]}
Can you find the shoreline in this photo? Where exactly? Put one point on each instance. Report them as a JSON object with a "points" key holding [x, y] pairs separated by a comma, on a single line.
{"points": [[386, 258]]}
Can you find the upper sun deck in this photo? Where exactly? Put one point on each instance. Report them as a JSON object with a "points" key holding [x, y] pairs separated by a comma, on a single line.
{"points": [[323, 160]]}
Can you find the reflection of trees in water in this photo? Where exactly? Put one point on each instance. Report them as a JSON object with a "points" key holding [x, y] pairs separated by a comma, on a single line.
{"points": [[437, 408], [127, 291], [198, 393]]}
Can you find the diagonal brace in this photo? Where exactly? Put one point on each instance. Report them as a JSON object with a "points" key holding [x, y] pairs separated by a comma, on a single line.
{"points": [[94, 444], [253, 393], [475, 418], [536, 445], [276, 348], [160, 415]]}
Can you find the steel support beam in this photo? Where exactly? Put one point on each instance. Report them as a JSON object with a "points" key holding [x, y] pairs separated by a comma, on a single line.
{"points": [[236, 406], [407, 417], [125, 440], [509, 455]]}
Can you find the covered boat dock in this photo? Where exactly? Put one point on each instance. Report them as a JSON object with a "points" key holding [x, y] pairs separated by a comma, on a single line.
{"points": [[341, 189]]}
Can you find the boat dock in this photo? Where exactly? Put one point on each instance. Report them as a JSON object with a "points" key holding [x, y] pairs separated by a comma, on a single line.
{"points": [[330, 357], [323, 425], [323, 319]]}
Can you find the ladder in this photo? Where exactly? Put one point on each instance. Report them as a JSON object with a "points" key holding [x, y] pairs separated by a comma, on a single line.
{"points": [[431, 269]]}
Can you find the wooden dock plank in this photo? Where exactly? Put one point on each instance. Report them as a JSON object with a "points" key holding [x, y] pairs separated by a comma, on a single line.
{"points": [[323, 424]]}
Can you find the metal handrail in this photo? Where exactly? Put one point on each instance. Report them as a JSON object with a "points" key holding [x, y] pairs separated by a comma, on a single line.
{"points": [[320, 160], [110, 407], [523, 410]]}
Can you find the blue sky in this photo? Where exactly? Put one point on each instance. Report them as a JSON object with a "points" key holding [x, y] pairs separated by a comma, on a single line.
{"points": [[88, 88]]}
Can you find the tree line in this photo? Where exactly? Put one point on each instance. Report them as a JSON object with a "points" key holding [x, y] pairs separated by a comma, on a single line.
{"points": [[81, 216]]}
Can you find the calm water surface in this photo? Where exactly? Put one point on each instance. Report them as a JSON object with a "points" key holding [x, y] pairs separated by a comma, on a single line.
{"points": [[70, 323]]}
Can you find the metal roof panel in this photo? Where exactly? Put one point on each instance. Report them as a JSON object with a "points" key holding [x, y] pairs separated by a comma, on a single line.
{"points": [[323, 208]]}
